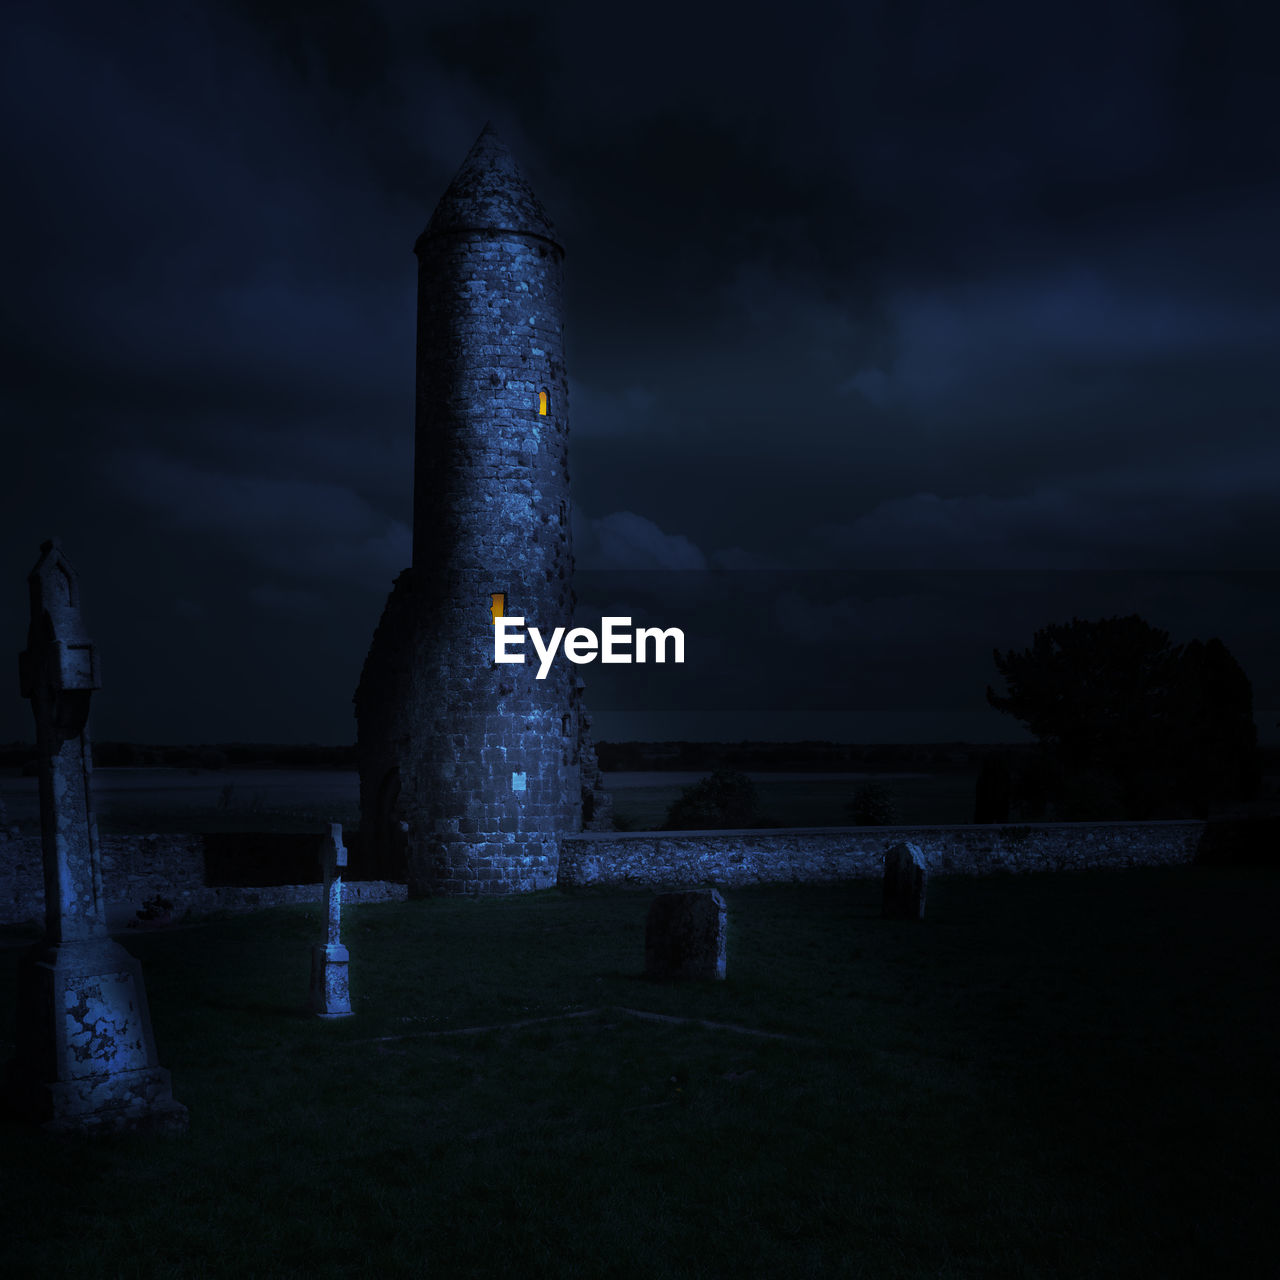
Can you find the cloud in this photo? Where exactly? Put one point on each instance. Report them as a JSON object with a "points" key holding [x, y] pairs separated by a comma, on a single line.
{"points": [[305, 528], [957, 345], [1212, 515], [289, 601], [189, 610], [247, 240], [625, 540], [596, 413], [874, 384], [740, 559], [869, 629]]}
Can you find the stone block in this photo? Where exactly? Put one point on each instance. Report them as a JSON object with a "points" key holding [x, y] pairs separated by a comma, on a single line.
{"points": [[685, 935], [905, 879], [86, 1060], [330, 995]]}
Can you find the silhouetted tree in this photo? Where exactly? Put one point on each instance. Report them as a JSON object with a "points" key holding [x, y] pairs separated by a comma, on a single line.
{"points": [[724, 799], [1131, 724], [1210, 734], [872, 806], [1034, 781]]}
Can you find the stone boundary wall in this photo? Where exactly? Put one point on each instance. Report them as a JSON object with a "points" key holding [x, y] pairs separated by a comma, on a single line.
{"points": [[686, 859], [136, 868]]}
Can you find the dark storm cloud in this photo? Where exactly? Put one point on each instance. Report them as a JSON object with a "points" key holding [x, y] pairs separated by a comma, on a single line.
{"points": [[896, 286], [270, 521]]}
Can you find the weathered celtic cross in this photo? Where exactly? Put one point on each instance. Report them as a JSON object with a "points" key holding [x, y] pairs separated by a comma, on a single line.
{"points": [[86, 1056]]}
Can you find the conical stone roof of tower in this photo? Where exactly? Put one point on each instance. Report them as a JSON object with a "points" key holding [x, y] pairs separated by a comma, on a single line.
{"points": [[489, 193]]}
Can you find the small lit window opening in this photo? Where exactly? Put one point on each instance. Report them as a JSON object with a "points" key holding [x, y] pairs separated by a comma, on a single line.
{"points": [[542, 403]]}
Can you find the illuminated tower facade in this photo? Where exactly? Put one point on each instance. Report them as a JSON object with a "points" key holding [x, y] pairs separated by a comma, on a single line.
{"points": [[472, 771]]}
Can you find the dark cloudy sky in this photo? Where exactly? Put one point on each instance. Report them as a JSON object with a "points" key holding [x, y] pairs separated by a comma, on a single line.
{"points": [[990, 291]]}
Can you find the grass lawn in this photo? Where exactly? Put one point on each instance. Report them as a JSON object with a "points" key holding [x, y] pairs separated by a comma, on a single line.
{"points": [[1049, 1076]]}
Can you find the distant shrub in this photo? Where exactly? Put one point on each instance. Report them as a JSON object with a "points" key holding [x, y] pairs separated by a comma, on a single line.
{"points": [[212, 758], [725, 798], [872, 806]]}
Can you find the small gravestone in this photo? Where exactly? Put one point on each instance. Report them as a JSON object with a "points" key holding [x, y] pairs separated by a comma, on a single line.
{"points": [[86, 1056], [905, 878], [685, 935], [330, 997]]}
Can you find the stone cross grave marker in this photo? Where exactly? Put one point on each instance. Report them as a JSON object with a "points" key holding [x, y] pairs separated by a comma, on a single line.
{"points": [[685, 935], [330, 997], [86, 1056], [905, 880]]}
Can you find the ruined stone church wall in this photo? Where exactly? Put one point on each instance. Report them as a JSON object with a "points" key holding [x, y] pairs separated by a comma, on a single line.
{"points": [[136, 868], [818, 855]]}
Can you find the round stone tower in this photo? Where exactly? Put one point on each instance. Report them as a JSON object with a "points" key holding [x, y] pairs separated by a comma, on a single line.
{"points": [[476, 767]]}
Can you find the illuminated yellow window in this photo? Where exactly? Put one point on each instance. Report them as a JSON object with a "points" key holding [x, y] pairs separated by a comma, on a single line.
{"points": [[542, 403]]}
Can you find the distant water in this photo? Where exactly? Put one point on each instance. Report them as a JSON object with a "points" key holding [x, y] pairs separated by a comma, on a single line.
{"points": [[682, 778], [166, 790]]}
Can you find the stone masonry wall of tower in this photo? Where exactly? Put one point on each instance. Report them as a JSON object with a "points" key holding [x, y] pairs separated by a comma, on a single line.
{"points": [[472, 772], [490, 515]]}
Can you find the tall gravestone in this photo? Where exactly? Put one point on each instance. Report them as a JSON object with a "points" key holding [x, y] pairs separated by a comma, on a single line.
{"points": [[330, 996], [685, 935], [86, 1056], [906, 877]]}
